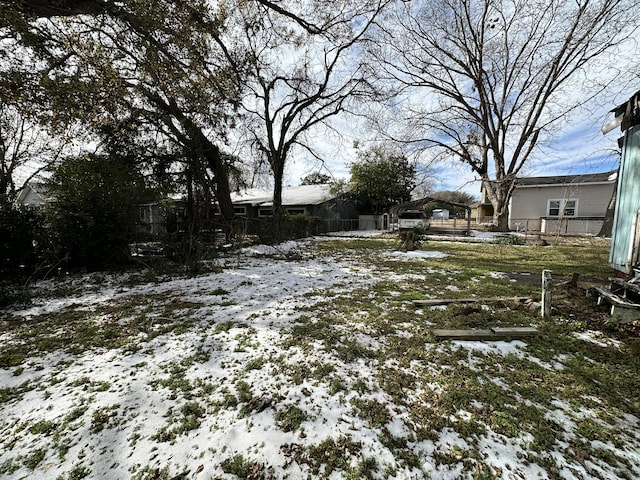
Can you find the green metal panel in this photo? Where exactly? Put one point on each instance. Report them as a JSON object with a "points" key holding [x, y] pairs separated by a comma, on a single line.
{"points": [[625, 239]]}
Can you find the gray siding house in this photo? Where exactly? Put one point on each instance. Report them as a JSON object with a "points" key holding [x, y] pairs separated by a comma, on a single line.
{"points": [[315, 200], [561, 204]]}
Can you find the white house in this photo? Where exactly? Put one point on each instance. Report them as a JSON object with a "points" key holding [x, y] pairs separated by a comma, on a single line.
{"points": [[32, 194], [561, 204]]}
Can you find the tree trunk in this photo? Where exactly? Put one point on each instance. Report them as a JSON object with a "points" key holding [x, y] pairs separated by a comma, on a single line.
{"points": [[607, 227], [222, 188], [501, 219], [499, 194], [198, 144], [278, 174]]}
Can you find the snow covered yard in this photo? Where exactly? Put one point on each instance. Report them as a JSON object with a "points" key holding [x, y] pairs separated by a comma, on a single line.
{"points": [[309, 361]]}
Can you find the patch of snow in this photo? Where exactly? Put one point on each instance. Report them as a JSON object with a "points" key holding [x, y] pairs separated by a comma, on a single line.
{"points": [[597, 338], [271, 249], [124, 398], [487, 347], [498, 275], [505, 453], [411, 254], [485, 235], [355, 234]]}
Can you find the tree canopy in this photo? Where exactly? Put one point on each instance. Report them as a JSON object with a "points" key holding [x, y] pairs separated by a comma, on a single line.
{"points": [[202, 77], [95, 209], [316, 178], [207, 90], [300, 77], [381, 179]]}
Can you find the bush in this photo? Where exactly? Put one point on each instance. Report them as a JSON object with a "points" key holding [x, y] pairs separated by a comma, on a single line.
{"points": [[189, 250], [299, 226], [95, 209], [21, 237]]}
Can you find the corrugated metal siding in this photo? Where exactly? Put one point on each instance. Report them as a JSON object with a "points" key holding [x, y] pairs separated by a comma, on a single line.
{"points": [[622, 256]]}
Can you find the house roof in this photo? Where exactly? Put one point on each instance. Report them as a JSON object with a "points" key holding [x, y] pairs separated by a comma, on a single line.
{"points": [[298, 195], [604, 177]]}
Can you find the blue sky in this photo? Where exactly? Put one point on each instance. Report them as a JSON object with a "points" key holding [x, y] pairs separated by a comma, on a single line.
{"points": [[580, 147], [577, 147]]}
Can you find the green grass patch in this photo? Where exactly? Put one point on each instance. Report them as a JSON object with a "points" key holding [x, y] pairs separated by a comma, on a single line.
{"points": [[289, 418], [244, 468], [191, 417]]}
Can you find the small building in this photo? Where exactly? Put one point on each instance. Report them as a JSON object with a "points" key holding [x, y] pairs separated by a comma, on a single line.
{"points": [[623, 294], [624, 256], [463, 227], [440, 214], [568, 204], [482, 210], [153, 219]]}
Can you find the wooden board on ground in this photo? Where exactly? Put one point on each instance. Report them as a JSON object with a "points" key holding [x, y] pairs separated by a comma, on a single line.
{"points": [[515, 332], [463, 334], [447, 301], [496, 333]]}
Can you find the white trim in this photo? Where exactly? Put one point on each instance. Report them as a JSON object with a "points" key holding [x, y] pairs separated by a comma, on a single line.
{"points": [[562, 205], [240, 210]]}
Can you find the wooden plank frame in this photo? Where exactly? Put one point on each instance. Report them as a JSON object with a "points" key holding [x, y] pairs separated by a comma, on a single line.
{"points": [[448, 301], [493, 334]]}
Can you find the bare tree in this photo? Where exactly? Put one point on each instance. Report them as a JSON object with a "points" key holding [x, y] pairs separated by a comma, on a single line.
{"points": [[302, 74], [485, 81], [26, 148]]}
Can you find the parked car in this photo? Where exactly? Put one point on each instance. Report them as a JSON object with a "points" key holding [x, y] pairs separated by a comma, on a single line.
{"points": [[410, 219]]}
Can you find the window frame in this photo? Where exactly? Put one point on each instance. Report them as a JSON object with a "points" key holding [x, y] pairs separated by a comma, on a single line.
{"points": [[296, 211], [562, 207], [143, 215]]}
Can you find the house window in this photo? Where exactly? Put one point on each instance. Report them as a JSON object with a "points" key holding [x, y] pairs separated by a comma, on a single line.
{"points": [[242, 211], [265, 212], [569, 208], [296, 211], [143, 214]]}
